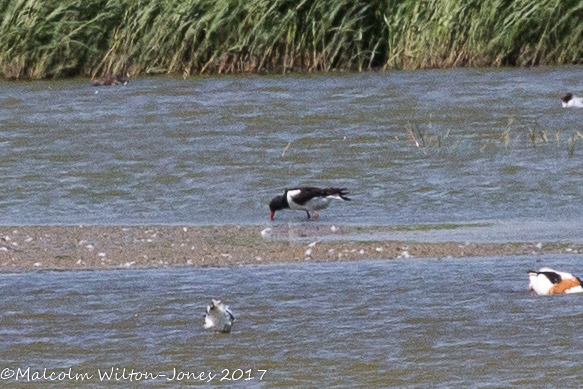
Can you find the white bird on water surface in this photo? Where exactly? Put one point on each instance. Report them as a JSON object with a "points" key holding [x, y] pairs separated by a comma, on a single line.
{"points": [[219, 317], [571, 101], [548, 281]]}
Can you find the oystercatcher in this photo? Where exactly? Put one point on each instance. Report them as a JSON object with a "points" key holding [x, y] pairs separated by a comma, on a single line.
{"points": [[306, 198], [218, 316], [549, 281], [570, 101]]}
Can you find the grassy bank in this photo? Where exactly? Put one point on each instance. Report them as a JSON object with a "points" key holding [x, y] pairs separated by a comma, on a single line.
{"points": [[57, 38]]}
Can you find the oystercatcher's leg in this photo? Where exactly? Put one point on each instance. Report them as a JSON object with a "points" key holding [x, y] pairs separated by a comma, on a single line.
{"points": [[308, 212], [316, 217]]}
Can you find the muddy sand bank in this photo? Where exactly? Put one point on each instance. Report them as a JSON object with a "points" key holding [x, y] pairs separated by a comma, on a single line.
{"points": [[26, 248]]}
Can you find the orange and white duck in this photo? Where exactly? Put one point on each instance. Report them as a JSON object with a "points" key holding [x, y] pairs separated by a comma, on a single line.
{"points": [[549, 281], [306, 198]]}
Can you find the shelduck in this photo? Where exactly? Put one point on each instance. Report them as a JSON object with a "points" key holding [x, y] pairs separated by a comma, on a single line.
{"points": [[549, 281]]}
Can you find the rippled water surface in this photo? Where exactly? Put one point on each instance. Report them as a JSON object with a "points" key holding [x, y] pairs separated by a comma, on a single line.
{"points": [[412, 147], [493, 145], [463, 323]]}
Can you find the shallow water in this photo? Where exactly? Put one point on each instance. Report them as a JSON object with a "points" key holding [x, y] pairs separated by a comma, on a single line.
{"points": [[466, 323], [209, 150], [216, 150]]}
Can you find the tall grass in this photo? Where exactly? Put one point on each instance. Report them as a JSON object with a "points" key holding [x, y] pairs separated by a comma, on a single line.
{"points": [[54, 38], [516, 136]]}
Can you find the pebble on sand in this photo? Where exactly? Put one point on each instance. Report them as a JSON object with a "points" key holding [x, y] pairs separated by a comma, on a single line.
{"points": [[266, 232]]}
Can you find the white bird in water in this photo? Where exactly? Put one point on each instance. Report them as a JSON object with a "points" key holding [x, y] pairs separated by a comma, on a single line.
{"points": [[571, 101], [549, 281], [219, 317], [112, 80]]}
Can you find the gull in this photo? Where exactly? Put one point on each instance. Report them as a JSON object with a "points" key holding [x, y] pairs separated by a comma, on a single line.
{"points": [[219, 317]]}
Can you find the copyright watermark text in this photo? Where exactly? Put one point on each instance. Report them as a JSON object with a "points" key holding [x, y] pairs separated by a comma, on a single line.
{"points": [[126, 374]]}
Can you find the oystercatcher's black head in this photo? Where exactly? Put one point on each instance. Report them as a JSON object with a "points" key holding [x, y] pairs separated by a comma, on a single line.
{"points": [[278, 203], [567, 97]]}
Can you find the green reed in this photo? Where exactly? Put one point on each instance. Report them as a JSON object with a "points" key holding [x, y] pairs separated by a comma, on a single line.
{"points": [[517, 137], [55, 38]]}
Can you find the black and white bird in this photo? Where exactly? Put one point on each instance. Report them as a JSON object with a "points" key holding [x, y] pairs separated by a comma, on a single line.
{"points": [[549, 281], [112, 80], [571, 101], [306, 198], [219, 317]]}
